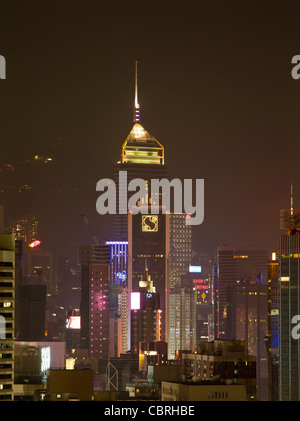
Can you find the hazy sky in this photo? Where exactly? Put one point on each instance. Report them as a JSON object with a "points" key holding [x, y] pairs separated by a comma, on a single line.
{"points": [[215, 88]]}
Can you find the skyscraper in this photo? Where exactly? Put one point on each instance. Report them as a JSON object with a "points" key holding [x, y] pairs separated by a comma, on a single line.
{"points": [[119, 282], [145, 313], [148, 239], [289, 305], [247, 320], [272, 339], [95, 306], [142, 156], [7, 309], [235, 263], [161, 237]]}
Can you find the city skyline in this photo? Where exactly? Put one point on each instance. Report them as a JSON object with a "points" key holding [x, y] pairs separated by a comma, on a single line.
{"points": [[144, 302]]}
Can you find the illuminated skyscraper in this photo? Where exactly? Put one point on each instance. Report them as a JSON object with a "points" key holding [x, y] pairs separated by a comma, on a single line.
{"points": [[145, 313], [7, 310], [235, 263], [272, 339], [95, 306], [26, 229], [289, 305], [148, 238], [247, 320], [163, 238], [142, 156], [119, 281]]}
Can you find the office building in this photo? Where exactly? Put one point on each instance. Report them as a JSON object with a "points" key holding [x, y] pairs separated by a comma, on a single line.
{"points": [[224, 361], [145, 313], [182, 310], [7, 309], [233, 264], [119, 284], [33, 359], [95, 306], [148, 240], [289, 305], [142, 156], [247, 320], [202, 286], [272, 338], [70, 385], [26, 229], [32, 326], [211, 391]]}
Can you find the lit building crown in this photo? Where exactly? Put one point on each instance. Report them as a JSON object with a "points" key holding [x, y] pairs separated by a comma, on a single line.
{"points": [[140, 146]]}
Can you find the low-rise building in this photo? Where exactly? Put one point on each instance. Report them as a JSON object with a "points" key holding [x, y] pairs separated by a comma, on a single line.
{"points": [[65, 385], [203, 391], [227, 360]]}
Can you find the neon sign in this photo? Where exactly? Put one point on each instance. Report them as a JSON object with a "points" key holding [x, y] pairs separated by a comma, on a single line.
{"points": [[34, 244]]}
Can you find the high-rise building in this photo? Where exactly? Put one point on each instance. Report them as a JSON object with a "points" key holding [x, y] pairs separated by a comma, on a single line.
{"points": [[182, 320], [142, 156], [289, 305], [179, 260], [148, 239], [94, 306], [7, 309], [272, 339], [145, 313], [38, 268], [233, 264], [247, 320], [204, 309], [26, 228], [226, 361], [119, 280], [160, 236]]}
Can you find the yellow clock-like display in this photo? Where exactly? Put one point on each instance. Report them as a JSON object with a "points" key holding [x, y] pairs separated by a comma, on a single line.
{"points": [[149, 223]]}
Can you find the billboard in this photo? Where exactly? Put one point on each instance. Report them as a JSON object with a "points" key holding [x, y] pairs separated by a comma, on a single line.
{"points": [[73, 322], [135, 301]]}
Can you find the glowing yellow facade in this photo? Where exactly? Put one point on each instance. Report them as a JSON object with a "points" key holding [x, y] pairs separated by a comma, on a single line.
{"points": [[140, 147]]}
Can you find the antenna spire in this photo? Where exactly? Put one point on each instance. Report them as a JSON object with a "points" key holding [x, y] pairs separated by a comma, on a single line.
{"points": [[136, 116], [292, 208]]}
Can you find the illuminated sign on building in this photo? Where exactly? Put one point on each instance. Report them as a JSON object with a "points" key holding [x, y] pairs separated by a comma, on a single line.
{"points": [[202, 289], [135, 301], [121, 277], [195, 269], [150, 223], [73, 322], [45, 358], [34, 243]]}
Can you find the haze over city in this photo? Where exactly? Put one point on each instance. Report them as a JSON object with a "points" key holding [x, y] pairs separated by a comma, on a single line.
{"points": [[215, 88]]}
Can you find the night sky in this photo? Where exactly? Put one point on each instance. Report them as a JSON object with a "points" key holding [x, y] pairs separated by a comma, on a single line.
{"points": [[215, 88]]}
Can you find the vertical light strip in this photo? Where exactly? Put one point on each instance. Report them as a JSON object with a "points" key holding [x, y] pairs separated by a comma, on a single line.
{"points": [[289, 315], [298, 312], [280, 321]]}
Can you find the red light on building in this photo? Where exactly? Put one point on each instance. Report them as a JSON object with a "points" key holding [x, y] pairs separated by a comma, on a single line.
{"points": [[34, 244]]}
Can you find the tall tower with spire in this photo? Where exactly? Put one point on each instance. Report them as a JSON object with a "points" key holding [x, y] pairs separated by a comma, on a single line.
{"points": [[142, 156], [163, 240]]}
